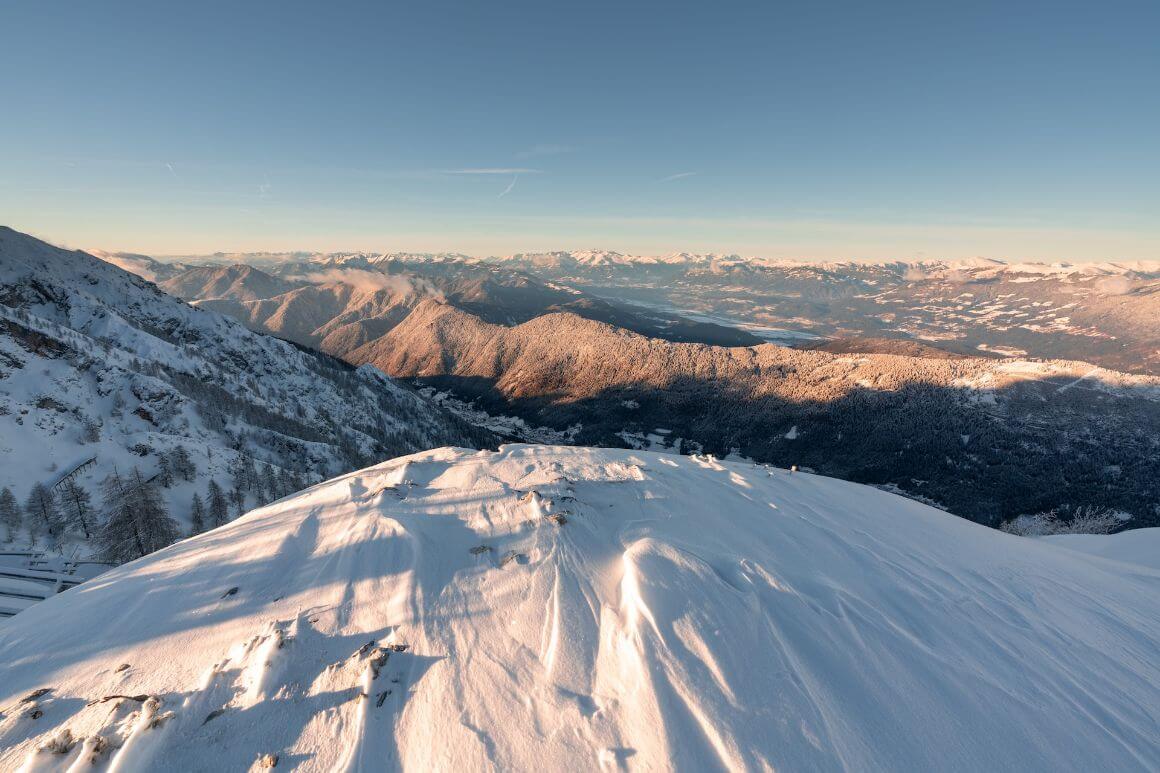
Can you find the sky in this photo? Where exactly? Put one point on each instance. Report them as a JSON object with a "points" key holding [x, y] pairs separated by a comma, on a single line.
{"points": [[1013, 130]]}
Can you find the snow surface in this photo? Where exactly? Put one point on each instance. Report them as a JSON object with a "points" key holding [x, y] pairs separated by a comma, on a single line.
{"points": [[571, 608], [1136, 546]]}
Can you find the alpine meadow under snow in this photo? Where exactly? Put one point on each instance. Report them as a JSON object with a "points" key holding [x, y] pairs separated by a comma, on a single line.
{"points": [[557, 608]]}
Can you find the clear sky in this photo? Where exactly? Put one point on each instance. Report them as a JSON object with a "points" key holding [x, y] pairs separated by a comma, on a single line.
{"points": [[1019, 130]]}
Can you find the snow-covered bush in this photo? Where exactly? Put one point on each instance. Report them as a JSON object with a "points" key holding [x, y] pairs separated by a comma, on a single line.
{"points": [[1089, 519]]}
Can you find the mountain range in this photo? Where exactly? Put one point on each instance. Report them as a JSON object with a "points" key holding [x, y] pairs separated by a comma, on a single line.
{"points": [[988, 437], [551, 606]]}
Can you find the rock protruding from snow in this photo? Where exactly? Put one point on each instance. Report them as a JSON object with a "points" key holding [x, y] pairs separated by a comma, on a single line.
{"points": [[692, 614]]}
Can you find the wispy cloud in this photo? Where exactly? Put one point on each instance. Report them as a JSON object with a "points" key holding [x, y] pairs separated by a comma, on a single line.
{"points": [[169, 166], [371, 281], [677, 176], [504, 170], [545, 150], [511, 185]]}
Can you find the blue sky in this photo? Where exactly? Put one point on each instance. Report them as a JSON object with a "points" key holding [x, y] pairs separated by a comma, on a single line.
{"points": [[1018, 130]]}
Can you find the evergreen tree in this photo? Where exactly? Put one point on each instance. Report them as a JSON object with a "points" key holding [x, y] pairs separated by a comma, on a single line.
{"points": [[10, 513], [78, 507], [196, 516], [182, 464], [42, 510], [285, 483], [115, 502], [244, 474], [164, 472], [138, 523], [238, 498], [218, 507], [270, 484]]}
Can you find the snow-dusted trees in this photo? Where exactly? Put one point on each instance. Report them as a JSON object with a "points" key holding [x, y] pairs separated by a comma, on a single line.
{"points": [[90, 430], [164, 472], [285, 482], [270, 488], [244, 474], [77, 506], [11, 515], [137, 521], [182, 464], [1084, 520], [41, 507], [238, 499], [218, 507], [196, 516]]}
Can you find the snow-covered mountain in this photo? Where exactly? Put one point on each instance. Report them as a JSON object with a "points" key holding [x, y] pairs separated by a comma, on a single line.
{"points": [[239, 282], [101, 371], [1104, 313], [989, 438], [144, 266], [589, 259], [543, 608]]}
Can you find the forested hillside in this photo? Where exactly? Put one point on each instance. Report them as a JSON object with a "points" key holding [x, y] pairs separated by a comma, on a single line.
{"points": [[128, 418], [987, 439]]}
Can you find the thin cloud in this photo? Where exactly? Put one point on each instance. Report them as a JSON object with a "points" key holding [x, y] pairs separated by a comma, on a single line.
{"points": [[169, 166], [511, 185], [504, 170], [371, 281], [677, 176], [545, 150]]}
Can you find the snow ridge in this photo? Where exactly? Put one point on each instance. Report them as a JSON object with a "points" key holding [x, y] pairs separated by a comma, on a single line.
{"points": [[568, 608]]}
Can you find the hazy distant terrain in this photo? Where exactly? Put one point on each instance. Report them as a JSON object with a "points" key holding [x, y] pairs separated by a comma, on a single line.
{"points": [[920, 378], [1106, 314]]}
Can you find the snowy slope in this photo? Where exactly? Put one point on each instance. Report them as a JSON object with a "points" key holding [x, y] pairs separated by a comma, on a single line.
{"points": [[683, 614], [95, 362], [1138, 546]]}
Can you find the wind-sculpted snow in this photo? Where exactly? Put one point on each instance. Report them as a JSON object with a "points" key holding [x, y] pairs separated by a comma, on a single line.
{"points": [[549, 608]]}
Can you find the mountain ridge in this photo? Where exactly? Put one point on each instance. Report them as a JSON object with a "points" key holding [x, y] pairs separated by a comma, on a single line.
{"points": [[96, 362]]}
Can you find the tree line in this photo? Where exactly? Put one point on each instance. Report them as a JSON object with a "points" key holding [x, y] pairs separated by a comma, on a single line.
{"points": [[133, 519]]}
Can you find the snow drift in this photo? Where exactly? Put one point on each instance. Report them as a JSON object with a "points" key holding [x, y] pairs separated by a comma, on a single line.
{"points": [[568, 608]]}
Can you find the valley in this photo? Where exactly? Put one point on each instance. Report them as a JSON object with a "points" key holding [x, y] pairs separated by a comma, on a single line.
{"points": [[988, 433]]}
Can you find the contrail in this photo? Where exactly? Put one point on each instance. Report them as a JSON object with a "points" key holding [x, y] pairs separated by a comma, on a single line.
{"points": [[508, 189]]}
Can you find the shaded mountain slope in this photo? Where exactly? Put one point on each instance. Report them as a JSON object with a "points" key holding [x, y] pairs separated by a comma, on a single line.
{"points": [[238, 282], [989, 439], [97, 363]]}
